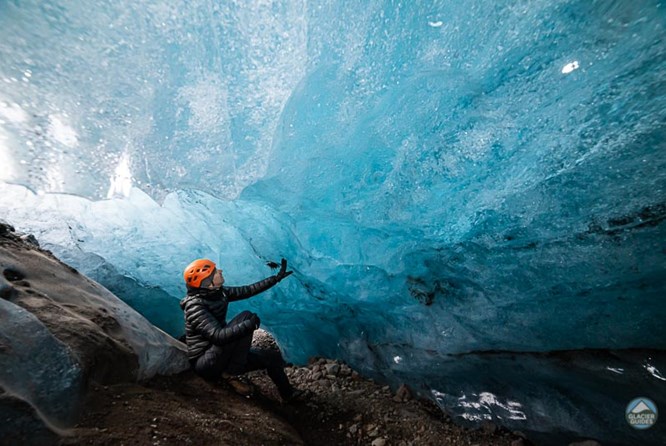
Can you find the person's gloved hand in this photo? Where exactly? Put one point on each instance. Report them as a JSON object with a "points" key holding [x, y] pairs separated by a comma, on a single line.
{"points": [[283, 271], [255, 320]]}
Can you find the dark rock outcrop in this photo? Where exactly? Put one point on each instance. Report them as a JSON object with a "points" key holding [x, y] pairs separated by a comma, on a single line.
{"points": [[59, 332]]}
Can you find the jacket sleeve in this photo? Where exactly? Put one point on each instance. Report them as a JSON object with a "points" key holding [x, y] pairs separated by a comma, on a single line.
{"points": [[210, 328], [243, 292]]}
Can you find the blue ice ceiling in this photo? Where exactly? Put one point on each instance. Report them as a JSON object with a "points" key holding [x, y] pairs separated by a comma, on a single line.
{"points": [[444, 177]]}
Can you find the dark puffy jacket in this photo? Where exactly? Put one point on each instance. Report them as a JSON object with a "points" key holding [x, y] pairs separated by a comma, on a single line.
{"points": [[206, 315]]}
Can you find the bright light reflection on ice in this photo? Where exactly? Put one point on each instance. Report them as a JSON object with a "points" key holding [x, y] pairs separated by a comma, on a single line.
{"points": [[618, 370], [6, 162], [487, 407], [121, 182], [654, 372], [436, 24], [12, 112], [568, 68], [62, 132]]}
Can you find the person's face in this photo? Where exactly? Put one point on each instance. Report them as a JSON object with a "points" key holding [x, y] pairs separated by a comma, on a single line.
{"points": [[218, 278]]}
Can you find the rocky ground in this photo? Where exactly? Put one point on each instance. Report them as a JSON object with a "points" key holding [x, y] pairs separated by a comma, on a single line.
{"points": [[340, 408]]}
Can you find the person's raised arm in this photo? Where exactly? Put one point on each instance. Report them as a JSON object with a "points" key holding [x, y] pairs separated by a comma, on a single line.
{"points": [[243, 292]]}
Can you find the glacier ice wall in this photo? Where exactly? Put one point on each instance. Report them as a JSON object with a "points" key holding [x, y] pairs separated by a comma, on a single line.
{"points": [[446, 178], [172, 94]]}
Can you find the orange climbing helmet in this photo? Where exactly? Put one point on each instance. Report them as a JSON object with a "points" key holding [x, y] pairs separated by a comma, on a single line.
{"points": [[197, 271]]}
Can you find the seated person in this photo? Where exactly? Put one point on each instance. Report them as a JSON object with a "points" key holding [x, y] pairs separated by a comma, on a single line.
{"points": [[217, 349]]}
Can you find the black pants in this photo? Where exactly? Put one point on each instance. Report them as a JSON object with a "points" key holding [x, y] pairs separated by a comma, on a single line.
{"points": [[238, 357]]}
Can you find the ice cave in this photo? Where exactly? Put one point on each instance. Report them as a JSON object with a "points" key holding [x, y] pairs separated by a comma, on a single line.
{"points": [[471, 194]]}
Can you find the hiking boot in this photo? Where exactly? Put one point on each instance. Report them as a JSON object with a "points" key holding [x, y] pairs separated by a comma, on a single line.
{"points": [[240, 385]]}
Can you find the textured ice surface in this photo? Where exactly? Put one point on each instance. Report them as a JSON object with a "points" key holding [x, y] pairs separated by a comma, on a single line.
{"points": [[444, 177]]}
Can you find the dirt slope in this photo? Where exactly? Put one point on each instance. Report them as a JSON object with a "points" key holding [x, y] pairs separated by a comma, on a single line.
{"points": [[340, 408]]}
